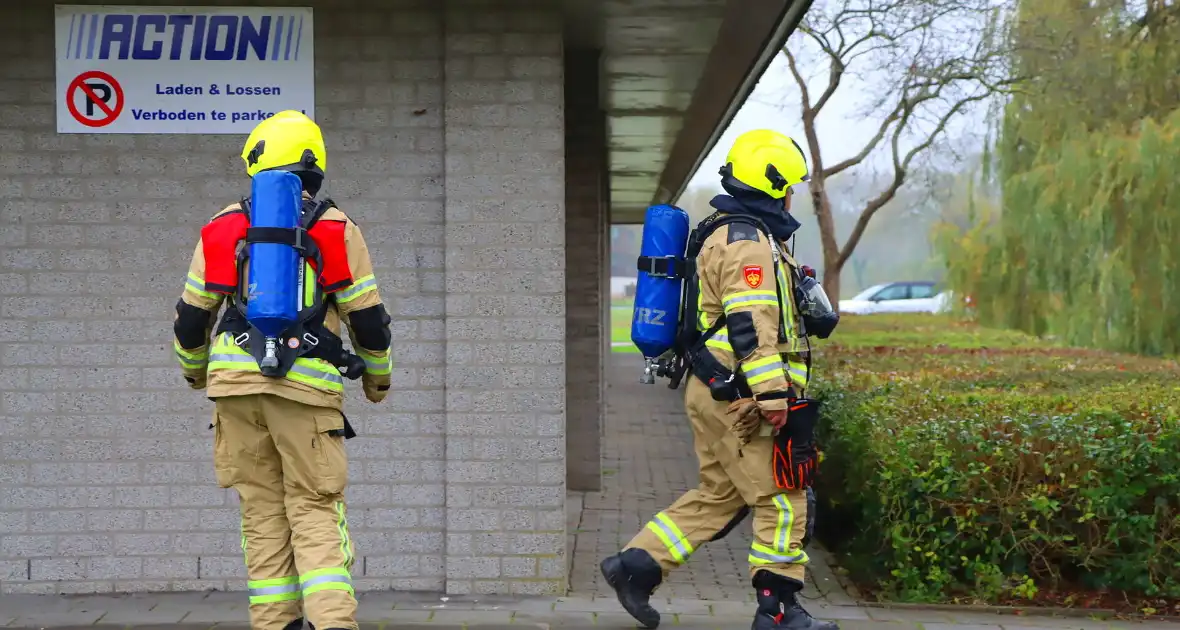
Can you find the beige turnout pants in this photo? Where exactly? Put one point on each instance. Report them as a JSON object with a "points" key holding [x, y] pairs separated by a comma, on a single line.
{"points": [[729, 480], [288, 464]]}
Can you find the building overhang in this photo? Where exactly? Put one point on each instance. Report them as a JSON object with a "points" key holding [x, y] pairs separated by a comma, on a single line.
{"points": [[674, 74]]}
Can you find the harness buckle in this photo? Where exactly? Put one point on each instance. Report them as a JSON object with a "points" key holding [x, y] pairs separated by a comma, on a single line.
{"points": [[241, 339], [311, 339]]}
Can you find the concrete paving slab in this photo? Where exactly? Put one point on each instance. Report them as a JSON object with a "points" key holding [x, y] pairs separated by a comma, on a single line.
{"points": [[217, 614], [684, 607], [471, 616], [556, 619], [878, 625], [891, 614], [839, 613], [167, 615], [30, 618]]}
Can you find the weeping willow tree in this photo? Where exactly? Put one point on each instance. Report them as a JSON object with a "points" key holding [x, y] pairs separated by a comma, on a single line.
{"points": [[1088, 244]]}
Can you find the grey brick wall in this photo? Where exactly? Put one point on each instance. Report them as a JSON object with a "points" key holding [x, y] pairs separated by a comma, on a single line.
{"points": [[505, 302], [446, 148]]}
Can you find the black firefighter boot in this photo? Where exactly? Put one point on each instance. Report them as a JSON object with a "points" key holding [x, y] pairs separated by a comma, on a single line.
{"points": [[779, 607], [634, 575]]}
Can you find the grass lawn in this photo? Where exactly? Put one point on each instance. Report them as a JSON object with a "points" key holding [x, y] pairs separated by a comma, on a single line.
{"points": [[620, 325]]}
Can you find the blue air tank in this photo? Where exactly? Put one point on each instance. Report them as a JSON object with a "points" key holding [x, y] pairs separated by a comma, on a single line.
{"points": [[657, 299], [272, 302]]}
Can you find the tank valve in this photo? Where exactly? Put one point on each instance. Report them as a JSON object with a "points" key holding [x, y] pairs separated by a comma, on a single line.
{"points": [[271, 360], [649, 377]]}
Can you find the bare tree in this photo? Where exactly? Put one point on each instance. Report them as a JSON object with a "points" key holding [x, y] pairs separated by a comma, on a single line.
{"points": [[934, 60]]}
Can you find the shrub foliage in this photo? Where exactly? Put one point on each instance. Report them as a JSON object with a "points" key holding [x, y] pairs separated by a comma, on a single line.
{"points": [[963, 462]]}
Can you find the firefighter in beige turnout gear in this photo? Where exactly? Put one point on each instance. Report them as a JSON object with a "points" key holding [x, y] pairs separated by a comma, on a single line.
{"points": [[751, 327], [279, 440]]}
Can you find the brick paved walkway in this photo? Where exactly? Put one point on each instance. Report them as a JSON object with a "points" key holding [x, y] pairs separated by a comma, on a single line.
{"points": [[648, 462]]}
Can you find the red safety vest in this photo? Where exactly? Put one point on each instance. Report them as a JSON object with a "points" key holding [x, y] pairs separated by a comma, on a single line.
{"points": [[220, 238]]}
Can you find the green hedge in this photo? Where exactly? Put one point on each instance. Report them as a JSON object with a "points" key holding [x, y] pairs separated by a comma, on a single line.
{"points": [[963, 463]]}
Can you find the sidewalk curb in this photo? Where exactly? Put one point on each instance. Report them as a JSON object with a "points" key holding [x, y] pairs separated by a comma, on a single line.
{"points": [[1022, 611]]}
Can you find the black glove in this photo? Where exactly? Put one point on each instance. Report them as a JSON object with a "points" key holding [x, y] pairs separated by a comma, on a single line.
{"points": [[796, 457]]}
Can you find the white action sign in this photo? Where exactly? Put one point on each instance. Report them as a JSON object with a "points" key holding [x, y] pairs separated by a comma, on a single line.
{"points": [[207, 70]]}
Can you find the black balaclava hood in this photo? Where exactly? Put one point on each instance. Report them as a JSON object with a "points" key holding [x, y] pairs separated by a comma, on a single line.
{"points": [[311, 181], [760, 205]]}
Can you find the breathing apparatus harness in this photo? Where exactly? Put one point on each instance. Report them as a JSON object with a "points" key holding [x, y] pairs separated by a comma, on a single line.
{"points": [[307, 337], [689, 352]]}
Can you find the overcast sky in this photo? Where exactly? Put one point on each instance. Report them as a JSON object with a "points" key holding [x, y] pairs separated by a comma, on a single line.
{"points": [[842, 127]]}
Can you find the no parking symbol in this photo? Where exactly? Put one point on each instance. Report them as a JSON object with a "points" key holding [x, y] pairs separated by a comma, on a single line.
{"points": [[95, 98]]}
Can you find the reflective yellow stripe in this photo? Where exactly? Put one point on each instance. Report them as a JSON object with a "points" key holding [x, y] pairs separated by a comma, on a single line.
{"points": [[763, 370], [762, 555], [359, 287], [334, 579], [196, 284], [797, 371], [308, 285], [671, 536], [193, 360], [375, 365], [719, 341], [781, 553], [786, 520], [275, 590], [788, 312], [345, 539], [226, 355], [702, 318], [743, 299]]}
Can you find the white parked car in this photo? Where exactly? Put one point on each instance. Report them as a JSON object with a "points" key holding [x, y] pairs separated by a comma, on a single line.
{"points": [[897, 297]]}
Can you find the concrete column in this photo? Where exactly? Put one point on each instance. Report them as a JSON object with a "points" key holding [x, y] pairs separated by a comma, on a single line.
{"points": [[586, 264], [505, 298]]}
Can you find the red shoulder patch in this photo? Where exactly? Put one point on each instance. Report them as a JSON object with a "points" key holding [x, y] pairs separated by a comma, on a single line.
{"points": [[753, 275]]}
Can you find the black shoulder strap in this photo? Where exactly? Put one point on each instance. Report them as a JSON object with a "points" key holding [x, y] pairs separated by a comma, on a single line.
{"points": [[314, 210], [689, 337]]}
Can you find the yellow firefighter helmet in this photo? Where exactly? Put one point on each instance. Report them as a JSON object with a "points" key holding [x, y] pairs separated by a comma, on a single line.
{"points": [[289, 141], [767, 161]]}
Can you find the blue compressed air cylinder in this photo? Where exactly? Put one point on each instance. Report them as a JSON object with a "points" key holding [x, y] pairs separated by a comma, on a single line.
{"points": [[272, 298], [657, 300]]}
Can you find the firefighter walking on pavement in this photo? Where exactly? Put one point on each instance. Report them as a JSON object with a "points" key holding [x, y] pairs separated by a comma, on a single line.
{"points": [[278, 426], [748, 310]]}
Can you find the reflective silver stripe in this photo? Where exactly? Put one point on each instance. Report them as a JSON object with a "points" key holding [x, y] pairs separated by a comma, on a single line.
{"points": [[719, 337], [763, 369], [786, 517], [230, 358], [274, 590], [190, 363], [194, 285], [333, 376], [331, 578], [726, 304], [772, 557], [677, 542], [355, 289], [374, 364]]}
